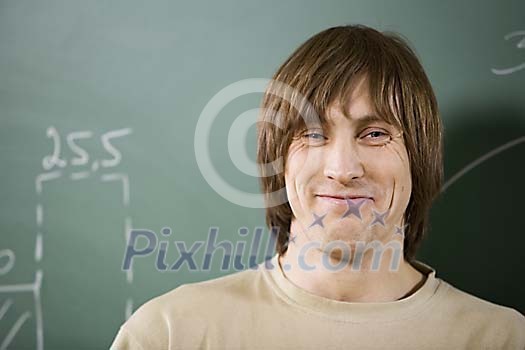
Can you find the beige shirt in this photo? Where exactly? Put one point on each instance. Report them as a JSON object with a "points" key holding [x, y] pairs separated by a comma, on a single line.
{"points": [[261, 309]]}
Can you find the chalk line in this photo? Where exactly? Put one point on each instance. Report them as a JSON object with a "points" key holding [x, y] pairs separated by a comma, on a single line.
{"points": [[38, 311], [79, 176], [5, 307], [10, 262], [125, 185], [128, 227], [16, 327], [45, 177], [39, 247], [129, 308], [480, 160]]}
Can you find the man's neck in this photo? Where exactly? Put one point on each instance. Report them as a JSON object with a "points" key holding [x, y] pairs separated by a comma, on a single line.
{"points": [[351, 285]]}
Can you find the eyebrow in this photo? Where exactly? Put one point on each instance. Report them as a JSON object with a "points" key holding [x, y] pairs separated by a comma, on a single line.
{"points": [[368, 119]]}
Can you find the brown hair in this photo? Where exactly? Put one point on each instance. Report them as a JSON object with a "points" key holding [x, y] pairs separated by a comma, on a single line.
{"points": [[323, 70]]}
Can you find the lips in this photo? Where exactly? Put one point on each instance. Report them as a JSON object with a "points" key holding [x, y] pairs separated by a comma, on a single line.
{"points": [[344, 196], [341, 200]]}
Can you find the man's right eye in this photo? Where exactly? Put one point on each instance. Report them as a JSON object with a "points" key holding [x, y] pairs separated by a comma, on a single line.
{"points": [[314, 138]]}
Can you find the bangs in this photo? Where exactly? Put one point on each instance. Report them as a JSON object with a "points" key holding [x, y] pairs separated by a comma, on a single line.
{"points": [[330, 77]]}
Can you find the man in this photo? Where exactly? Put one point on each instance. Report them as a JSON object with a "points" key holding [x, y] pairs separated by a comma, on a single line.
{"points": [[360, 136]]}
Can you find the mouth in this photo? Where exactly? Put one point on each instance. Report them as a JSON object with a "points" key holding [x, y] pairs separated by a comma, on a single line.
{"points": [[343, 199]]}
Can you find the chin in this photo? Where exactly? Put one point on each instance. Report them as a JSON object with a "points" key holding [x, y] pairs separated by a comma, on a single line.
{"points": [[348, 235]]}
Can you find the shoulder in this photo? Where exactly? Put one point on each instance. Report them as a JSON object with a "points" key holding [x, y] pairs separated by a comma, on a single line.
{"points": [[496, 323], [471, 304], [235, 286], [191, 307], [193, 297]]}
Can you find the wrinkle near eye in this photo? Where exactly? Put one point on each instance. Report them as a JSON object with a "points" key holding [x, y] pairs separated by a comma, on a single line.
{"points": [[397, 147], [295, 145]]}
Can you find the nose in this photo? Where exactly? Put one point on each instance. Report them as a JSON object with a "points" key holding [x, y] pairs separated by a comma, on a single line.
{"points": [[342, 162]]}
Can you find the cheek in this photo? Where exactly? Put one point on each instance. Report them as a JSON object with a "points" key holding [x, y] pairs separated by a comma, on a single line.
{"points": [[295, 162], [389, 167], [402, 177], [299, 170], [403, 187], [292, 170], [405, 177], [292, 177]]}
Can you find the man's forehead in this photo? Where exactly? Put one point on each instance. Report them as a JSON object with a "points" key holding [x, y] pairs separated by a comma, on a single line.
{"points": [[365, 116], [354, 103]]}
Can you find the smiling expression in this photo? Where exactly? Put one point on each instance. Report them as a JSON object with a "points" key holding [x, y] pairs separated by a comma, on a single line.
{"points": [[352, 169]]}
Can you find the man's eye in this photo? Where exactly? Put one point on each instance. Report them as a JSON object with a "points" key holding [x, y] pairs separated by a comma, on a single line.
{"points": [[377, 134], [377, 137], [314, 136]]}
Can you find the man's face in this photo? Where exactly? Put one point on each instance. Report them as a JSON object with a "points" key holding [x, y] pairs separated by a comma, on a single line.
{"points": [[363, 162]]}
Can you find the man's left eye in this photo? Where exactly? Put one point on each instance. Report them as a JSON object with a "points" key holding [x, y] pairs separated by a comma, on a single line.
{"points": [[377, 134], [377, 137]]}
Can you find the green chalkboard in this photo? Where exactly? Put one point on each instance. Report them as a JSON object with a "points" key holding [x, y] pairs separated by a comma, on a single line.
{"points": [[100, 103]]}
